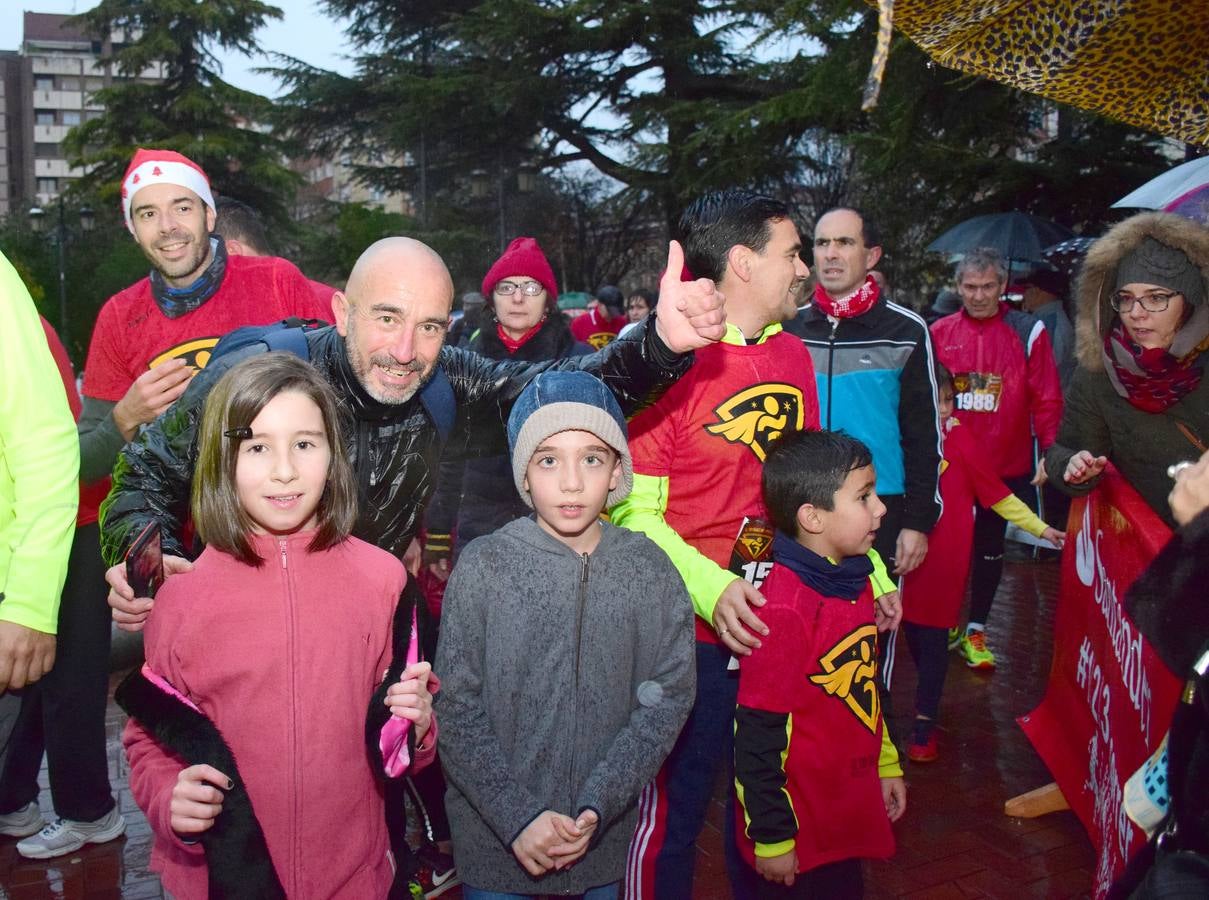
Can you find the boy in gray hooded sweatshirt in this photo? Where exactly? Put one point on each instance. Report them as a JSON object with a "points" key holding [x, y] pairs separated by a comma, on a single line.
{"points": [[566, 661]]}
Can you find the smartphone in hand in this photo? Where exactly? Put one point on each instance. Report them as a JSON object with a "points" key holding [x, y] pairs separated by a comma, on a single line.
{"points": [[145, 562]]}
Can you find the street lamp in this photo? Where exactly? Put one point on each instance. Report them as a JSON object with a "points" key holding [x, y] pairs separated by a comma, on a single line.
{"points": [[526, 178], [480, 183], [59, 237], [480, 186]]}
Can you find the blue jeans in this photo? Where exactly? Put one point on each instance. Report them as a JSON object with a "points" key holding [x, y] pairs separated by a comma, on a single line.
{"points": [[603, 892]]}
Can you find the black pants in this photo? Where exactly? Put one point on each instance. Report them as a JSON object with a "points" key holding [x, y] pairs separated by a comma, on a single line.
{"points": [[64, 712], [929, 646], [427, 792], [1057, 506], [886, 544], [843, 880], [989, 531]]}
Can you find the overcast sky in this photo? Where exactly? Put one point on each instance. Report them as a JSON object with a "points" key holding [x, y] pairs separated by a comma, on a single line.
{"points": [[304, 32]]}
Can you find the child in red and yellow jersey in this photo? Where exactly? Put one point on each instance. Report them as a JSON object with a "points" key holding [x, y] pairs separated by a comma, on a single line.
{"points": [[817, 777]]}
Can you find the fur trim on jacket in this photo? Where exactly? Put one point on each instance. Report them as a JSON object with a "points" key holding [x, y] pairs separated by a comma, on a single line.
{"points": [[1098, 278]]}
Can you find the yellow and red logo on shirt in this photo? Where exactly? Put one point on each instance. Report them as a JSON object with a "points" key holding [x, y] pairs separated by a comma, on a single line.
{"points": [[755, 539], [850, 674], [601, 339], [195, 352], [757, 416]]}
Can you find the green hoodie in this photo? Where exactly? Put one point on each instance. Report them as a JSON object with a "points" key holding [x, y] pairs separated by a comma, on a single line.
{"points": [[39, 465]]}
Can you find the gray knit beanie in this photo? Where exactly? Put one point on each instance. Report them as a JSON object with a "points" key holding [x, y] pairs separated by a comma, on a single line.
{"points": [[1152, 262], [567, 401]]}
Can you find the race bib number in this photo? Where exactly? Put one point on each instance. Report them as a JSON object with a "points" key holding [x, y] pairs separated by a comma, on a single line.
{"points": [[977, 392], [751, 558]]}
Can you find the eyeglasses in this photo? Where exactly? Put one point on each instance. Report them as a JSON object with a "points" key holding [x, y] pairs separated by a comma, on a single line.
{"points": [[1155, 301], [528, 288]]}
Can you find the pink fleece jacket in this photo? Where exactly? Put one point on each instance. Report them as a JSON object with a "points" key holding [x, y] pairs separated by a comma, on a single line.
{"points": [[283, 659]]}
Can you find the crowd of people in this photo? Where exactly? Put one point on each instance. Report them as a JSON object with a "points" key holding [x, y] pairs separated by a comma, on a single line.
{"points": [[544, 580]]}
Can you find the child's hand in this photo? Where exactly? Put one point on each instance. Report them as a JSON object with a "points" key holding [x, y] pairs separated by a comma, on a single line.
{"points": [[532, 846], [197, 798], [1082, 467], [408, 698], [1054, 536], [894, 793], [779, 869], [888, 611], [568, 853]]}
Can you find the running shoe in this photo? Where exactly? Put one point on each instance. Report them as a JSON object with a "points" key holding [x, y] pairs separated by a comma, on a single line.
{"points": [[923, 751], [23, 822], [437, 871], [66, 836], [954, 637], [973, 647]]}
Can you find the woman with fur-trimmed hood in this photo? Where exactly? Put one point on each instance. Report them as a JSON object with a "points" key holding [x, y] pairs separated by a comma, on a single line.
{"points": [[1138, 398]]}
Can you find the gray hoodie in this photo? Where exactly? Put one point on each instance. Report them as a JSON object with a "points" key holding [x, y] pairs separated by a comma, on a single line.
{"points": [[565, 680]]}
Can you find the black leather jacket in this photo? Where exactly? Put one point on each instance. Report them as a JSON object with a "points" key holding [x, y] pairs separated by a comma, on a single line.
{"points": [[394, 449]]}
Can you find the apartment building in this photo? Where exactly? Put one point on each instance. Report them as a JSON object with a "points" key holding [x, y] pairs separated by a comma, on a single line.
{"points": [[48, 87], [333, 180]]}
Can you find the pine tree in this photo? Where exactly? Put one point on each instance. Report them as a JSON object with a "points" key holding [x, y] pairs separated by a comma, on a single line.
{"points": [[655, 95]]}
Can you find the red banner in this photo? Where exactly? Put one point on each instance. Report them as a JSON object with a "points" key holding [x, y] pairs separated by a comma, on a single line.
{"points": [[1110, 698]]}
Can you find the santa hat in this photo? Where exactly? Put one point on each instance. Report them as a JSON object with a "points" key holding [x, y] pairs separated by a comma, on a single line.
{"points": [[523, 258], [163, 167]]}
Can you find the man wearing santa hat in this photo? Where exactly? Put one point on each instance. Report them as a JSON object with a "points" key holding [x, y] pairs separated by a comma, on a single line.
{"points": [[148, 341]]}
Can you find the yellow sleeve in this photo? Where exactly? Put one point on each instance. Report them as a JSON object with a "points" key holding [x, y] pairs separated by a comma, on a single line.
{"points": [[1017, 512], [643, 510], [764, 851], [39, 465], [881, 580], [888, 765]]}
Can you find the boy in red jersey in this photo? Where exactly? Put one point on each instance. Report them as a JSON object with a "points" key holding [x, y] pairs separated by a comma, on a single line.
{"points": [[818, 778]]}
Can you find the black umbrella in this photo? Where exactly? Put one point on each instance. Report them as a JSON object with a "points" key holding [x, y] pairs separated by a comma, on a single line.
{"points": [[1067, 256], [1018, 236]]}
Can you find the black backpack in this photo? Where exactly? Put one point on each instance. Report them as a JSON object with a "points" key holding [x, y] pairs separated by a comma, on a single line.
{"points": [[289, 335]]}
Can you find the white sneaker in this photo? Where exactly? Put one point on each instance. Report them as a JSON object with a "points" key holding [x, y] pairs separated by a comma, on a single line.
{"points": [[22, 823], [65, 836]]}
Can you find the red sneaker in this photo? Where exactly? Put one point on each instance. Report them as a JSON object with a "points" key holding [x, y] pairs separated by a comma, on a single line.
{"points": [[925, 752], [437, 873]]}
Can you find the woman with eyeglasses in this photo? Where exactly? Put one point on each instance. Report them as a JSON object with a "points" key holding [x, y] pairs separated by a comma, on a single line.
{"points": [[521, 321], [1138, 397]]}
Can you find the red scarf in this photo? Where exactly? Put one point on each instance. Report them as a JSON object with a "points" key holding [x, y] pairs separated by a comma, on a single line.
{"points": [[514, 344], [855, 304], [1153, 379]]}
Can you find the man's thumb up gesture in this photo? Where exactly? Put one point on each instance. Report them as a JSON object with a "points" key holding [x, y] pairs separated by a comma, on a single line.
{"points": [[690, 314]]}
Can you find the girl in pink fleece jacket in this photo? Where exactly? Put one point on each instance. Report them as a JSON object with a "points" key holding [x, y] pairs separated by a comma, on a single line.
{"points": [[248, 728]]}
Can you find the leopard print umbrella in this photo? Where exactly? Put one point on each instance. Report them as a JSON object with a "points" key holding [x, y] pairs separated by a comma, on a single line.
{"points": [[1140, 61]]}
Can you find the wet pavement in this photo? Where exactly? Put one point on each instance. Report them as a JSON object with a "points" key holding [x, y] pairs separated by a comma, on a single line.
{"points": [[954, 842]]}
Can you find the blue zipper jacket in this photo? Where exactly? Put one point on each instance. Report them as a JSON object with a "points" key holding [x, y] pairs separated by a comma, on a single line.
{"points": [[877, 381]]}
